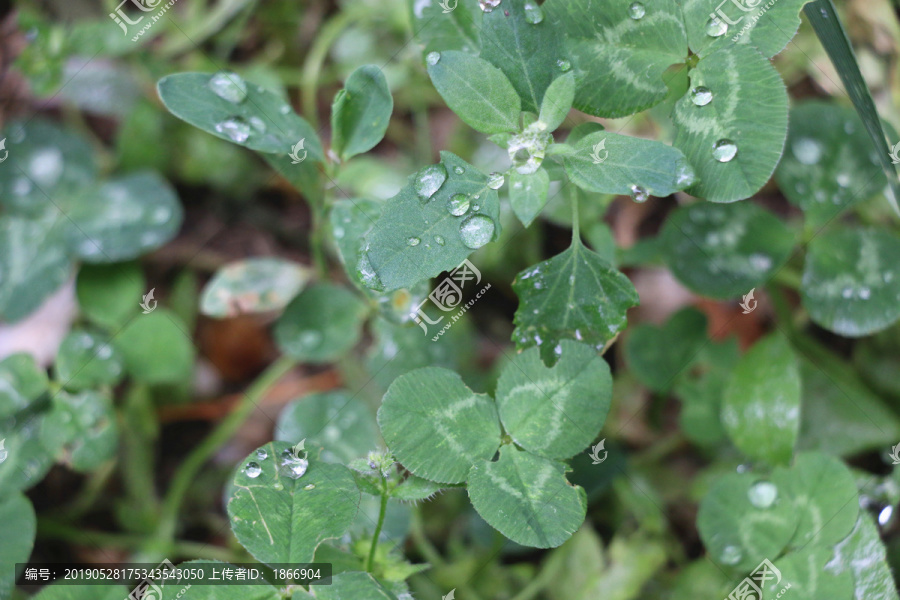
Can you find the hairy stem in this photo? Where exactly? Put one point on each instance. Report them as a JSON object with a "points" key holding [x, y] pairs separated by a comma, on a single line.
{"points": [[382, 511]]}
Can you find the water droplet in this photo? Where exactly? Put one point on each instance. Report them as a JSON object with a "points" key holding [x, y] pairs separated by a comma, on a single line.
{"points": [[292, 466], [807, 150], [433, 58], [564, 65], [252, 470], [534, 14], [724, 150], [495, 181], [310, 338], [439, 240], [731, 555], [762, 494], [21, 186], [476, 231], [235, 129], [716, 27], [285, 109], [311, 486], [864, 293], [229, 86], [258, 124], [885, 515], [636, 11], [701, 96], [429, 180], [278, 486], [459, 170], [46, 166], [459, 205], [639, 194], [413, 241], [843, 179], [488, 5], [261, 454]]}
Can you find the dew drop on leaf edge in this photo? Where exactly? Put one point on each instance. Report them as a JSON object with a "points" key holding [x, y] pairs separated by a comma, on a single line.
{"points": [[495, 181], [433, 58], [476, 231], [639, 194], [429, 180]]}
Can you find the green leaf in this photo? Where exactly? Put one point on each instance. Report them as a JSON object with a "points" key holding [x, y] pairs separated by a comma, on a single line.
{"points": [[415, 489], [351, 221], [109, 295], [123, 219], [16, 543], [282, 519], [361, 112], [436, 426], [863, 555], [740, 522], [441, 30], [723, 251], [658, 355], [749, 110], [59, 591], [761, 405], [700, 390], [555, 412], [804, 575], [87, 360], [86, 424], [619, 164], [22, 382], [827, 24], [527, 498], [28, 455], [33, 262], [851, 281], [254, 285], [825, 498], [829, 165], [321, 324], [619, 60], [575, 295], [418, 236], [156, 348], [558, 101], [262, 121], [175, 590], [528, 194], [341, 425], [526, 52], [478, 92], [766, 26], [353, 586]]}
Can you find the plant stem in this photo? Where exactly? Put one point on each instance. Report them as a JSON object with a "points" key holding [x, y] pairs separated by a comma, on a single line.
{"points": [[312, 67], [382, 511], [188, 470], [576, 229]]}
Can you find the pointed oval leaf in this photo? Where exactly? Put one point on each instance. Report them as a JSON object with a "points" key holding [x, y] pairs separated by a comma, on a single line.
{"points": [[417, 236], [725, 250], [658, 355], [749, 110], [280, 519], [558, 101], [342, 426], [157, 348], [321, 324], [255, 285], [361, 112], [16, 543], [761, 406], [851, 281], [555, 412], [446, 24], [527, 498], [528, 194], [575, 295], [478, 92], [87, 360], [436, 426], [22, 382], [106, 293], [610, 163], [351, 220]]}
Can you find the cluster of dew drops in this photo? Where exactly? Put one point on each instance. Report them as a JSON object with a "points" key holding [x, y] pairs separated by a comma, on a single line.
{"points": [[232, 88], [290, 466]]}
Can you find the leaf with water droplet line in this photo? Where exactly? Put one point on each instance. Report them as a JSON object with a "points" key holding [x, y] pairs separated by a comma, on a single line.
{"points": [[736, 532], [440, 201], [351, 220], [255, 285], [761, 405], [440, 30], [87, 360], [526, 52], [16, 543], [618, 164], [658, 355], [339, 424], [620, 61], [527, 498], [321, 324], [354, 585], [725, 250], [528, 194], [851, 281], [555, 412], [436, 426], [575, 295], [361, 112], [747, 115], [282, 519], [828, 165], [863, 555], [478, 92]]}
